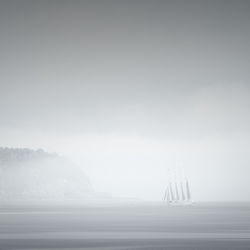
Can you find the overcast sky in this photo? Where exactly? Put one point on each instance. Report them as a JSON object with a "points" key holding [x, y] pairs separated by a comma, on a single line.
{"points": [[129, 89]]}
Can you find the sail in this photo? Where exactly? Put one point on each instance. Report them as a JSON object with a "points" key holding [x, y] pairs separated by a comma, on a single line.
{"points": [[188, 191], [182, 192], [168, 195], [165, 195], [177, 192], [172, 198]]}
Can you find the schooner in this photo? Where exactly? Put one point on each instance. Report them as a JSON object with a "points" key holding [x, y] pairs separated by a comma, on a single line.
{"points": [[177, 192]]}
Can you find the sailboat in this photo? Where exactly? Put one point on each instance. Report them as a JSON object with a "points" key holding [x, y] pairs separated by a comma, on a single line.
{"points": [[178, 193]]}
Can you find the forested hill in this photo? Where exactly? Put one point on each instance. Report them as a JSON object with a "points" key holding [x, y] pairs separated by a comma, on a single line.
{"points": [[27, 174], [10, 156]]}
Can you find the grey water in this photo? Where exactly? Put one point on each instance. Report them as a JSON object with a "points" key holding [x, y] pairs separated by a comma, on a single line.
{"points": [[204, 226]]}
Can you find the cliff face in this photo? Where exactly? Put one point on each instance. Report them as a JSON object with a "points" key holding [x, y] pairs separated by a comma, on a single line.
{"points": [[28, 175]]}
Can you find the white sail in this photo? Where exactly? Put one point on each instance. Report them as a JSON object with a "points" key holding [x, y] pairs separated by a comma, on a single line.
{"points": [[177, 192], [188, 191], [165, 195], [172, 197], [168, 195], [182, 193]]}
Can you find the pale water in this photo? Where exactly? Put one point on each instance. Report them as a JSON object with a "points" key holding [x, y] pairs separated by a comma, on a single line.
{"points": [[146, 226]]}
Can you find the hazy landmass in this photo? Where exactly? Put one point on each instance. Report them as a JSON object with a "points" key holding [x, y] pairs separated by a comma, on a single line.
{"points": [[37, 176]]}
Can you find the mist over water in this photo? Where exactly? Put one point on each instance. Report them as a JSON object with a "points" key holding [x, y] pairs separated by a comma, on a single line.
{"points": [[130, 89]]}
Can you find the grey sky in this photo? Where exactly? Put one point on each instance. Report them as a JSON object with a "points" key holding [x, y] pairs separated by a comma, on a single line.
{"points": [[176, 72]]}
